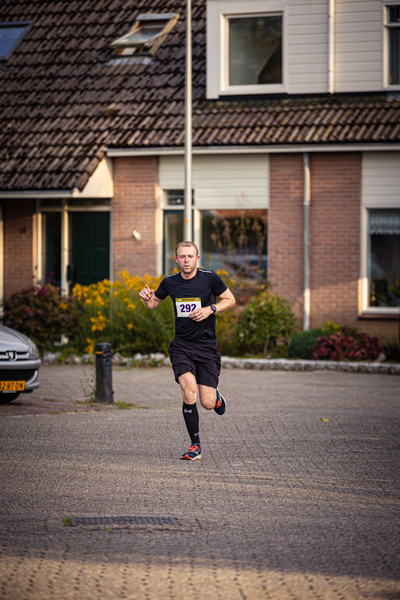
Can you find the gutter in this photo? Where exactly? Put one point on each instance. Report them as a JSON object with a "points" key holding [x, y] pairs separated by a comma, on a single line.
{"points": [[301, 148], [40, 195]]}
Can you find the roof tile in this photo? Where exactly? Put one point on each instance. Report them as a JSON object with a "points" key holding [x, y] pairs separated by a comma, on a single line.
{"points": [[62, 103]]}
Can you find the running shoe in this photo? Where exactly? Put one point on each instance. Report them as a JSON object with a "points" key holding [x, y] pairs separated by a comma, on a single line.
{"points": [[193, 453], [220, 405]]}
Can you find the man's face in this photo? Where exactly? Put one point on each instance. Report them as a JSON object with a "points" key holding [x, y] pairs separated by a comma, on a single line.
{"points": [[187, 259]]}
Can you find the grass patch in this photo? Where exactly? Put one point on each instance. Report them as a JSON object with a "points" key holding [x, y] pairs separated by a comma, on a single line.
{"points": [[123, 404], [67, 522], [56, 412], [127, 405]]}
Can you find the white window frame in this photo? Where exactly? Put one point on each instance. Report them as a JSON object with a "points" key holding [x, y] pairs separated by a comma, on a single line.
{"points": [[218, 13], [385, 12], [373, 197], [163, 206], [366, 309]]}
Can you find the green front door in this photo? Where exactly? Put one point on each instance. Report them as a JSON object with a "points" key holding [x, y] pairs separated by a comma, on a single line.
{"points": [[89, 247]]}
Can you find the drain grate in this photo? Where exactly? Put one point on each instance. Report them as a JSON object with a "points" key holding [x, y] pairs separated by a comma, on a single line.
{"points": [[159, 521]]}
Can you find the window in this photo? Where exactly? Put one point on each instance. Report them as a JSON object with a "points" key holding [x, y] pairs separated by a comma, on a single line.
{"points": [[147, 34], [393, 43], [231, 240], [235, 241], [11, 35], [172, 226], [384, 257], [245, 47], [254, 50]]}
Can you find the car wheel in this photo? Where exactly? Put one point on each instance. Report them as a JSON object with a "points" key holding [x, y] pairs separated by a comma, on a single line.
{"points": [[5, 398]]}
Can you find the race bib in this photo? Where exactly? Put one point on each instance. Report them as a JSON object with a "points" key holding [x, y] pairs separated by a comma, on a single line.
{"points": [[185, 306]]}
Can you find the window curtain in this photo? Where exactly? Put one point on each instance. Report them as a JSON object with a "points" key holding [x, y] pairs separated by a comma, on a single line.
{"points": [[384, 222]]}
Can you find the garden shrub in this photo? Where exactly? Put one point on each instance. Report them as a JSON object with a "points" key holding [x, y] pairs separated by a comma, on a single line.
{"points": [[301, 345], [42, 314], [227, 322], [266, 319], [226, 327], [342, 345], [392, 351], [114, 313]]}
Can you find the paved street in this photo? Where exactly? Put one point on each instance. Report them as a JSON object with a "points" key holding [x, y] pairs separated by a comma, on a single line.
{"points": [[283, 505]]}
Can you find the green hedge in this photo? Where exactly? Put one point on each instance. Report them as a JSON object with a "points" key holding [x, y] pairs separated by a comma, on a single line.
{"points": [[301, 345]]}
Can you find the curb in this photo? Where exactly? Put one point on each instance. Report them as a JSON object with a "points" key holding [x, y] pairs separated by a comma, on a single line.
{"points": [[283, 364], [264, 364]]}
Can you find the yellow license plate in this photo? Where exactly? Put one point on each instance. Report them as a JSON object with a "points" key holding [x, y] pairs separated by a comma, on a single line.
{"points": [[12, 386]]}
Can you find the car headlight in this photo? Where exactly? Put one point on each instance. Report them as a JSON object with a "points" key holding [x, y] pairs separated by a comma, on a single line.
{"points": [[33, 351]]}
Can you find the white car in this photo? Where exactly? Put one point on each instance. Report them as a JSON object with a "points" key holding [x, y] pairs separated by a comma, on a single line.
{"points": [[19, 364]]}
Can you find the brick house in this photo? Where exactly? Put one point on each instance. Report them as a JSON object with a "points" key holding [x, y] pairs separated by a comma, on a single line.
{"points": [[296, 146]]}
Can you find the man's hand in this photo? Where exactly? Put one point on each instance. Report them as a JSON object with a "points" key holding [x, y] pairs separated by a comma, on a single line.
{"points": [[149, 298], [201, 313], [146, 293]]}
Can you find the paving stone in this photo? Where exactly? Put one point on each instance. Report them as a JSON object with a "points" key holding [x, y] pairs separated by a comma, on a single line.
{"points": [[283, 504]]}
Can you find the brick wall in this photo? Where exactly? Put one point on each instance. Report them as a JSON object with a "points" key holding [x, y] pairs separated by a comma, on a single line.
{"points": [[19, 240], [386, 330], [285, 228], [335, 231], [134, 207]]}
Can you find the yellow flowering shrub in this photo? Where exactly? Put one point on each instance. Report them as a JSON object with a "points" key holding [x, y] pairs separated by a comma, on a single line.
{"points": [[114, 313]]}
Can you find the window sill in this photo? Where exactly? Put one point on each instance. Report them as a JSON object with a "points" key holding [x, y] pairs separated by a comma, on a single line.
{"points": [[240, 90], [383, 316], [392, 88]]}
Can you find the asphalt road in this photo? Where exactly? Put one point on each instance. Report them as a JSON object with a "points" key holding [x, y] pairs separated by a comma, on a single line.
{"points": [[283, 505]]}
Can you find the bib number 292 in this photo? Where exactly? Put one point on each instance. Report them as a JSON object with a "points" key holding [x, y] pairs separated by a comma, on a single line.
{"points": [[185, 306]]}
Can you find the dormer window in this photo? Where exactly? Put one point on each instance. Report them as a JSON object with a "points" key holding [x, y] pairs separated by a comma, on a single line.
{"points": [[147, 34], [11, 35], [246, 44]]}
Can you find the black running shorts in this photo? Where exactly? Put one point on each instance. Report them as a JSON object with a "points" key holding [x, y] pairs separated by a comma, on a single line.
{"points": [[204, 363]]}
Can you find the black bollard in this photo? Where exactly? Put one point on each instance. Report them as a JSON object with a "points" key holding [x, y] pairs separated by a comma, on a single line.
{"points": [[104, 393]]}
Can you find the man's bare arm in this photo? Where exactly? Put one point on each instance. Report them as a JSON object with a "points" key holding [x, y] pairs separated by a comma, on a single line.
{"points": [[148, 298], [227, 301]]}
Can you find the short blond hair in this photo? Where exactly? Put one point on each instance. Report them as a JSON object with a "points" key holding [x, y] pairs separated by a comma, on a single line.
{"points": [[186, 244]]}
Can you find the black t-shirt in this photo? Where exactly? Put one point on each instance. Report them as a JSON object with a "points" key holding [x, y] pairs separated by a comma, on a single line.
{"points": [[188, 294]]}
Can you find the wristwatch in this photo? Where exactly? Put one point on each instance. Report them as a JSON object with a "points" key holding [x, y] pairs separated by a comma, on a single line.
{"points": [[213, 308]]}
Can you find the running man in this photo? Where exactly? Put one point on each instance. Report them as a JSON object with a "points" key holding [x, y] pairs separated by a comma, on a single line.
{"points": [[193, 352]]}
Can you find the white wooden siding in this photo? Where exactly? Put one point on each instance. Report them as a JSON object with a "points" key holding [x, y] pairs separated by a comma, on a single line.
{"points": [[358, 45], [230, 182], [307, 46], [381, 179]]}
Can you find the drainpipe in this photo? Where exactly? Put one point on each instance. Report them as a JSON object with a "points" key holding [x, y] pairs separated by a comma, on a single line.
{"points": [[64, 249], [331, 47], [187, 217], [306, 241]]}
